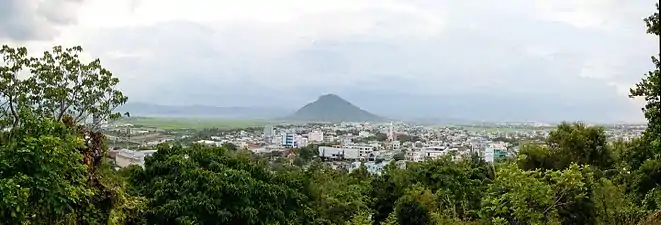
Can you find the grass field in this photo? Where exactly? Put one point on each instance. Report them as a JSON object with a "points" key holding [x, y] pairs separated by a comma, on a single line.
{"points": [[194, 123]]}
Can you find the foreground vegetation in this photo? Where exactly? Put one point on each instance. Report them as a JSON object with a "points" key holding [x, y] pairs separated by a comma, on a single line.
{"points": [[53, 169]]}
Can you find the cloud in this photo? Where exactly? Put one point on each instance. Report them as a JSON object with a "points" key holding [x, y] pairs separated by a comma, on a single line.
{"points": [[22, 20], [545, 59]]}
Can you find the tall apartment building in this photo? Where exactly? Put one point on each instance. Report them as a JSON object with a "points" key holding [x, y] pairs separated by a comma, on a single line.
{"points": [[288, 140], [268, 133]]}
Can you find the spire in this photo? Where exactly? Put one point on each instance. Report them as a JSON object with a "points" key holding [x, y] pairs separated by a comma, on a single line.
{"points": [[391, 133]]}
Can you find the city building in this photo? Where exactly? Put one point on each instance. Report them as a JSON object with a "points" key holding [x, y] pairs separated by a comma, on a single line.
{"points": [[331, 153], [288, 140], [426, 153], [126, 157], [300, 141], [347, 152], [268, 134], [364, 134], [494, 152], [316, 136]]}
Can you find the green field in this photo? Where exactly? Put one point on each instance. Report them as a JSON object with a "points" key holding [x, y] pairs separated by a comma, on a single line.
{"points": [[194, 123]]}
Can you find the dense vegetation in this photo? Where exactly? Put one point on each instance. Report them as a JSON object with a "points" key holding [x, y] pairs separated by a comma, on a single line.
{"points": [[53, 170]]}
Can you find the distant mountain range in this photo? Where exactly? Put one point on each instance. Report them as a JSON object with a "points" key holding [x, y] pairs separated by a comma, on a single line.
{"points": [[327, 108], [155, 110], [332, 108]]}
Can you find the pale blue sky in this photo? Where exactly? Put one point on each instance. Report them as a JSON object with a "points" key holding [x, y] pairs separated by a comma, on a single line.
{"points": [[510, 59]]}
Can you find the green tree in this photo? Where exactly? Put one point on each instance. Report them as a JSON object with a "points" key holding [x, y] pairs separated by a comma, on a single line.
{"points": [[579, 143], [12, 87], [416, 206], [230, 146], [535, 156], [649, 88], [57, 91], [612, 206], [59, 85], [306, 154], [42, 176], [645, 156], [361, 218], [335, 195], [534, 197], [399, 156], [459, 185], [386, 189], [203, 185]]}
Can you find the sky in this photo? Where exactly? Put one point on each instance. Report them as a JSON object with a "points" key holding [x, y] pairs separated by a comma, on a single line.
{"points": [[544, 60]]}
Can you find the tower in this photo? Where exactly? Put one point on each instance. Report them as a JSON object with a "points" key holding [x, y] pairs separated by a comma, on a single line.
{"points": [[268, 133], [391, 133]]}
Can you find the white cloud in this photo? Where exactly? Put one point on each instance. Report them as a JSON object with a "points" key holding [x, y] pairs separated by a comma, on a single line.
{"points": [[586, 50]]}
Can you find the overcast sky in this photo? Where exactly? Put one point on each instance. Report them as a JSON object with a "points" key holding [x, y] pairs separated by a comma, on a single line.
{"points": [[509, 59]]}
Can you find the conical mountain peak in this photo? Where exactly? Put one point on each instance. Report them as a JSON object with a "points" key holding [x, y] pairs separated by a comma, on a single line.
{"points": [[333, 108], [330, 97]]}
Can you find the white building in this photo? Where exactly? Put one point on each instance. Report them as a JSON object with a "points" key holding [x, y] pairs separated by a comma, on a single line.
{"points": [[268, 131], [300, 141], [432, 152], [211, 143], [364, 134], [347, 152], [329, 138], [268, 134], [331, 152], [364, 152], [316, 136], [126, 157]]}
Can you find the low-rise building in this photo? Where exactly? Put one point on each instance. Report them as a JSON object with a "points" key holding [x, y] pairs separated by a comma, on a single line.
{"points": [[347, 152], [126, 157], [316, 136]]}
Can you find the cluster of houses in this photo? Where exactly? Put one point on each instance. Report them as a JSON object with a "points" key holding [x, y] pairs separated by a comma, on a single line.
{"points": [[350, 156], [492, 152]]}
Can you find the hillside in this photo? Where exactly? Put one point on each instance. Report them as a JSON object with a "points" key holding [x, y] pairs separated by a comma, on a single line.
{"points": [[332, 108]]}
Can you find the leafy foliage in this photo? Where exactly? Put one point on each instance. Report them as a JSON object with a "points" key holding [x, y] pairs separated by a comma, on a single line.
{"points": [[59, 85], [42, 176], [209, 186]]}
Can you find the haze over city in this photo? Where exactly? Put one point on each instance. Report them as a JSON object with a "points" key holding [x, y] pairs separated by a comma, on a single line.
{"points": [[481, 60]]}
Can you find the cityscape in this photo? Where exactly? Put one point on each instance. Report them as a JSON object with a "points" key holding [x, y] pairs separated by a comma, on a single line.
{"points": [[351, 142], [343, 112]]}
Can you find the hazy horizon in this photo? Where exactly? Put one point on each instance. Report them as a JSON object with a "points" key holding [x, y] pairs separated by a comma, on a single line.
{"points": [[507, 60]]}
